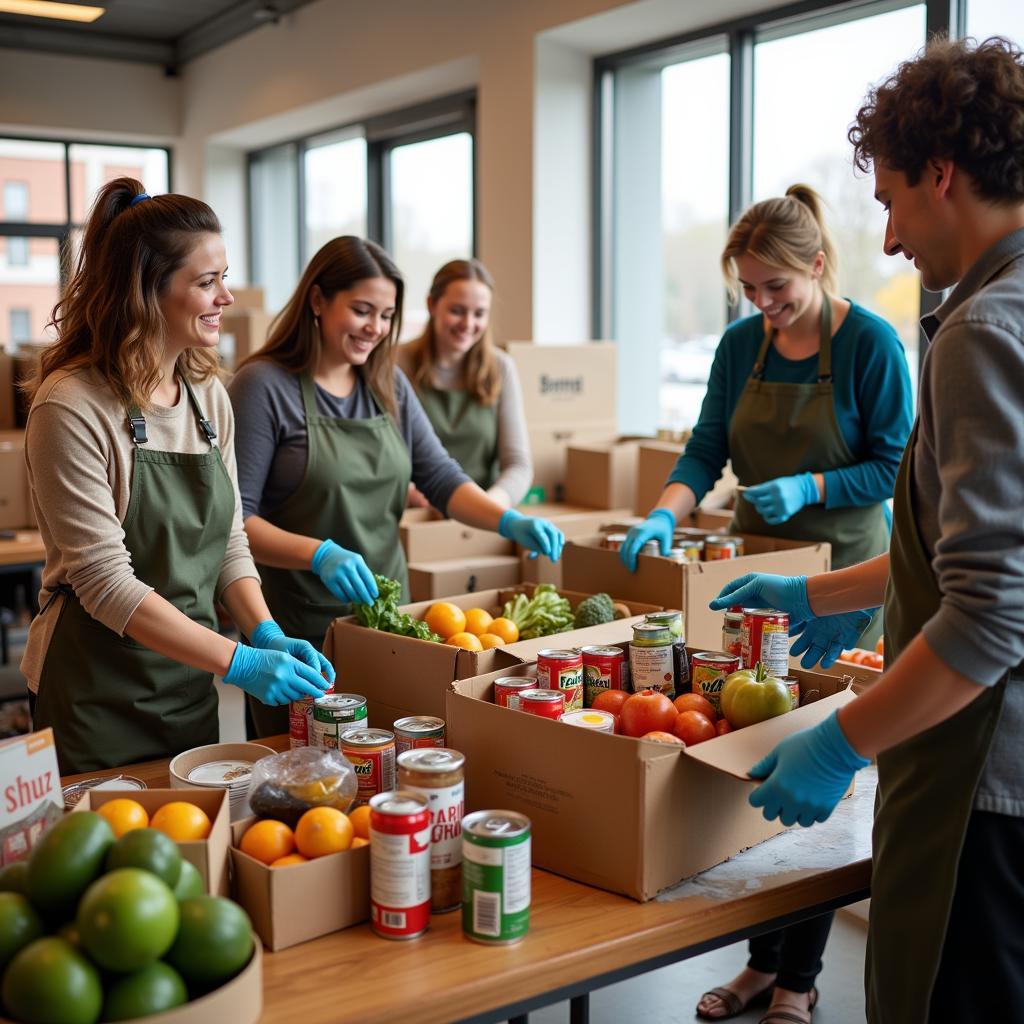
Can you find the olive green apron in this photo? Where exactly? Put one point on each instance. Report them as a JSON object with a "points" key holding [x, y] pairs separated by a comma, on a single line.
{"points": [[109, 700], [780, 429], [353, 492], [467, 429], [926, 789]]}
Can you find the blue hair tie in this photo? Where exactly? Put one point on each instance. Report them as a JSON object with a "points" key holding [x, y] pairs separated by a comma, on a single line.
{"points": [[139, 198]]}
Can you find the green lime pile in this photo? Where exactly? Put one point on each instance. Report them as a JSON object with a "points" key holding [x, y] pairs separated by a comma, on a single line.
{"points": [[97, 929]]}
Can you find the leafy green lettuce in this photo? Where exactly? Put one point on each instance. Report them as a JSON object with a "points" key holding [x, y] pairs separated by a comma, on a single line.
{"points": [[384, 615]]}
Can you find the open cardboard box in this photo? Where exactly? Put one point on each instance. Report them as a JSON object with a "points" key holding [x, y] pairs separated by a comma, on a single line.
{"points": [[614, 812], [400, 675], [429, 581], [208, 856], [603, 475], [295, 904], [590, 567]]}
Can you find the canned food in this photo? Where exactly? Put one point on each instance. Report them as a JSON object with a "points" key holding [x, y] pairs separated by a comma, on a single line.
{"points": [[371, 752], [562, 670], [651, 659], [671, 617], [437, 774], [333, 715], [765, 638], [507, 690], [732, 629], [300, 717], [680, 666], [399, 864], [721, 547], [604, 668], [587, 718], [708, 675], [418, 731], [544, 703], [687, 553], [793, 685], [495, 876], [614, 541]]}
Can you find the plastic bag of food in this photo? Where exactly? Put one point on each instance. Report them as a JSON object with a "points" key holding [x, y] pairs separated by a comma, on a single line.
{"points": [[286, 785]]}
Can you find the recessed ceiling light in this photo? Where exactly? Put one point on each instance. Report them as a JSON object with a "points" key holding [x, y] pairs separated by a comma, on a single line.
{"points": [[51, 9]]}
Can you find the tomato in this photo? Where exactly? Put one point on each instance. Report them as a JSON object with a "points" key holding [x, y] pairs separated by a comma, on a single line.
{"points": [[696, 702], [722, 726], [647, 711], [610, 701], [692, 727], [874, 661], [880, 646], [747, 700], [662, 737], [724, 697]]}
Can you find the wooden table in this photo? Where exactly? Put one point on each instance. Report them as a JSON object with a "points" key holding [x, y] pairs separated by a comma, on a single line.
{"points": [[24, 551], [580, 938]]}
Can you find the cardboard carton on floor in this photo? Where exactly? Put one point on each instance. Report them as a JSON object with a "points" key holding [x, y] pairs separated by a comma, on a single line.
{"points": [[33, 802], [15, 500], [430, 581], [288, 905], [618, 813], [208, 856], [400, 675], [603, 475], [588, 566]]}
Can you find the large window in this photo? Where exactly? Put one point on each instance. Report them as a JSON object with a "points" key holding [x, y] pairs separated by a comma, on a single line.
{"points": [[404, 180], [46, 188], [996, 18]]}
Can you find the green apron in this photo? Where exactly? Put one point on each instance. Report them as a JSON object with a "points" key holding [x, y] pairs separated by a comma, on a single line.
{"points": [[926, 789], [779, 429], [353, 492], [109, 700], [467, 429]]}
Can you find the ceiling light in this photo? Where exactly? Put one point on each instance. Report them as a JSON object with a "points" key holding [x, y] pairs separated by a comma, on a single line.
{"points": [[51, 9]]}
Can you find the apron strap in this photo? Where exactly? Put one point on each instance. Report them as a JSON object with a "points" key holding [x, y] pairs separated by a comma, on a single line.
{"points": [[204, 424], [137, 422], [137, 425], [308, 390], [824, 350], [62, 588]]}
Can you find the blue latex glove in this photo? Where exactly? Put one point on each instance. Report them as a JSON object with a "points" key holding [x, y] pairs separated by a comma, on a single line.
{"points": [[763, 590], [781, 499], [540, 536], [344, 573], [825, 638], [659, 525], [273, 677], [806, 775], [269, 636]]}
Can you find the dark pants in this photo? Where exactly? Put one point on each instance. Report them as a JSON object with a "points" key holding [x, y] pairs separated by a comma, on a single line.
{"points": [[981, 974], [793, 953]]}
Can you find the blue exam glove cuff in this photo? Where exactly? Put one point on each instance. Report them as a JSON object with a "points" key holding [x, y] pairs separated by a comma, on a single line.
{"points": [[265, 632], [509, 516], [848, 759], [808, 488], [320, 554], [666, 512], [240, 662]]}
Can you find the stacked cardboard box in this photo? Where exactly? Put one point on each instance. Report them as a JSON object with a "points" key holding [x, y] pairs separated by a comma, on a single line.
{"points": [[243, 326], [15, 502]]}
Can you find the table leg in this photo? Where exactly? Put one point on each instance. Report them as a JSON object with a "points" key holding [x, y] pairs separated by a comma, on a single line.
{"points": [[579, 1009]]}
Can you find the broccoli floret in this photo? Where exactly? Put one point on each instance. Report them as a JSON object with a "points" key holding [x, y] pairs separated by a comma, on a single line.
{"points": [[594, 611]]}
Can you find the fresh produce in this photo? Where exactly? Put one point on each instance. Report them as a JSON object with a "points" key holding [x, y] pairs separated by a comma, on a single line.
{"points": [[286, 785], [19, 925], [505, 628], [123, 815], [289, 861], [868, 659], [467, 641], [190, 882], [543, 614], [214, 941], [722, 726], [478, 621], [692, 728], [182, 821], [360, 818], [595, 610], [51, 982], [384, 615], [696, 702], [751, 695], [154, 989], [622, 611], [445, 619], [322, 831], [610, 701], [663, 737], [150, 850], [489, 641], [268, 840], [12, 877], [647, 711]]}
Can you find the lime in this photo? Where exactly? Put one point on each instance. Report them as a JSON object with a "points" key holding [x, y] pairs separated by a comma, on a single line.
{"points": [[154, 989], [127, 919], [70, 933], [214, 941], [65, 861], [190, 882], [19, 925], [50, 982], [12, 877], [147, 849]]}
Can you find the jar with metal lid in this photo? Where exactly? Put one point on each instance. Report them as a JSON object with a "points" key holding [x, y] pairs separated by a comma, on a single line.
{"points": [[651, 662], [437, 774]]}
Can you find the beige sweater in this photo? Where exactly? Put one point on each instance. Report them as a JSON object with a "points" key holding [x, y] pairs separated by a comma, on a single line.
{"points": [[80, 458]]}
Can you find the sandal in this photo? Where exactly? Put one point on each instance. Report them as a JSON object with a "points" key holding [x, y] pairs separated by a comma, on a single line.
{"points": [[734, 1006], [793, 1015]]}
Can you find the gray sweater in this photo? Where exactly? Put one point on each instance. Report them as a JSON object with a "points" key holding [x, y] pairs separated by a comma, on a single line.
{"points": [[968, 492]]}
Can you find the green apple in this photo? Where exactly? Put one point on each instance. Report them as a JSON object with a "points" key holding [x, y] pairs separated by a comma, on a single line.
{"points": [[751, 695]]}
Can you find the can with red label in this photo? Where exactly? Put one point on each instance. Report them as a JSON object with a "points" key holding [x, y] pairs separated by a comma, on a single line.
{"points": [[765, 639], [732, 631], [708, 674], [543, 703], [793, 685], [399, 864], [724, 546], [418, 731], [371, 752], [562, 670], [300, 721], [604, 668], [508, 689]]}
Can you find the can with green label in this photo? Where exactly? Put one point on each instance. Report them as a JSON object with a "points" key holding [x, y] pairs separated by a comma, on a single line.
{"points": [[495, 877]]}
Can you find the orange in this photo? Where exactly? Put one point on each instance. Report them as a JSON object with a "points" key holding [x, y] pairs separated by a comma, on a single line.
{"points": [[359, 841], [182, 821], [477, 621], [360, 818], [466, 641], [445, 619], [323, 830], [489, 640], [505, 628], [123, 815], [268, 840], [289, 860]]}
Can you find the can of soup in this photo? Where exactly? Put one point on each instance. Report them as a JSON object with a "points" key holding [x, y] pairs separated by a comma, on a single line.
{"points": [[651, 665], [732, 629], [508, 689], [793, 685], [334, 714], [371, 752], [765, 638], [604, 668], [708, 674], [562, 670], [720, 547], [495, 877], [418, 731], [543, 703], [399, 864]]}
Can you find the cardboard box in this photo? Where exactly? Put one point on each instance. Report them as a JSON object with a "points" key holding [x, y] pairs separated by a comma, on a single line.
{"points": [[548, 444], [567, 384], [33, 801], [433, 580], [655, 460], [7, 403], [15, 500], [589, 567], [603, 475], [288, 905], [399, 675], [243, 333], [208, 856], [251, 297], [614, 812], [426, 536]]}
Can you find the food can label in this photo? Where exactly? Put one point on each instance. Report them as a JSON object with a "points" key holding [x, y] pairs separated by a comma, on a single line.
{"points": [[400, 883], [598, 678], [765, 641], [570, 682], [496, 891], [447, 809], [709, 678], [652, 669], [300, 715], [375, 771], [404, 743], [732, 641]]}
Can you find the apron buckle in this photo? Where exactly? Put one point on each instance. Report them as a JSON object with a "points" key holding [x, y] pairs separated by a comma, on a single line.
{"points": [[137, 425], [207, 428]]}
